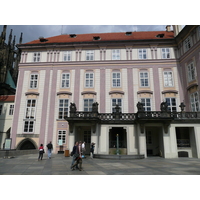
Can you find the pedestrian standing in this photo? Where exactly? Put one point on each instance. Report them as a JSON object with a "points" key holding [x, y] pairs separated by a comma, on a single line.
{"points": [[74, 152], [83, 150], [50, 148], [41, 151], [92, 149]]}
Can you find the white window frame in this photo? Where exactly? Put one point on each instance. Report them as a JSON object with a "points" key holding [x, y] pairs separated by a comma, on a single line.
{"points": [[116, 101], [191, 72], [89, 55], [63, 108], [62, 135], [65, 80], [142, 53], [36, 56], [171, 107], [168, 79], [34, 81], [165, 53], [116, 79], [11, 110], [194, 102], [88, 107], [147, 105], [116, 54], [67, 56], [89, 79], [30, 114], [144, 80], [187, 43]]}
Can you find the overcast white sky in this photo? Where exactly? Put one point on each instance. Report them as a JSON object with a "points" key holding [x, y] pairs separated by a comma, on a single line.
{"points": [[46, 18]]}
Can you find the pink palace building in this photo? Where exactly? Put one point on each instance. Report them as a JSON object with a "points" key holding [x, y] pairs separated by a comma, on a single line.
{"points": [[136, 92]]}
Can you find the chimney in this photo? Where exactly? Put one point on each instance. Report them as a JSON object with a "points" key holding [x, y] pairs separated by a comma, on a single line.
{"points": [[168, 28]]}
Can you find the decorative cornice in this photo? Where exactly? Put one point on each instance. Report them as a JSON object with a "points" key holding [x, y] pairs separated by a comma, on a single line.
{"points": [[64, 93], [145, 91], [193, 85], [88, 92], [170, 91], [116, 91], [32, 93]]}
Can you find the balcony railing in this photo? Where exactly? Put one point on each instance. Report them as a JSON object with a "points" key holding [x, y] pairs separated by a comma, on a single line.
{"points": [[134, 116], [183, 143]]}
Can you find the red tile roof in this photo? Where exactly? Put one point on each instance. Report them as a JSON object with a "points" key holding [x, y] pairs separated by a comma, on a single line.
{"points": [[7, 98], [105, 37]]}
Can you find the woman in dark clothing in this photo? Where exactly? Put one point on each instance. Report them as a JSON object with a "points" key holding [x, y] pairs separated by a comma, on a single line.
{"points": [[92, 149], [74, 153], [41, 151]]}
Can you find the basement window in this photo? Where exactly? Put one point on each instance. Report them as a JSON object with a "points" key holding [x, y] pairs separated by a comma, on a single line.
{"points": [[96, 38], [160, 35]]}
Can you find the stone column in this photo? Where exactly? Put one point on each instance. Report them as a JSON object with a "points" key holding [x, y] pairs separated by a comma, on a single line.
{"points": [[142, 149]]}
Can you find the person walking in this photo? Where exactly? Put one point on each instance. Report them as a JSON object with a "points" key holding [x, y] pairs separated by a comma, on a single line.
{"points": [[92, 149], [74, 152], [41, 151], [83, 150], [78, 159], [50, 148]]}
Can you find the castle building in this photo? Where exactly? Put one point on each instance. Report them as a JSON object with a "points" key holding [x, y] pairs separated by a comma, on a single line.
{"points": [[137, 91], [9, 60]]}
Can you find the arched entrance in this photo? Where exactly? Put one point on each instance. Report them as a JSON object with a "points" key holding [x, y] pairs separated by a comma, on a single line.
{"points": [[26, 144]]}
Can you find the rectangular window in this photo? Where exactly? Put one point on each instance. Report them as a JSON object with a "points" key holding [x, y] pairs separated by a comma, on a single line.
{"points": [[144, 79], [187, 44], [34, 81], [116, 79], [116, 54], [89, 80], [30, 109], [142, 53], [191, 72], [88, 105], [165, 53], [168, 79], [36, 57], [194, 101], [65, 80], [116, 102], [90, 55], [1, 108], [171, 104], [146, 103], [30, 115], [62, 136], [67, 56], [63, 108], [11, 110]]}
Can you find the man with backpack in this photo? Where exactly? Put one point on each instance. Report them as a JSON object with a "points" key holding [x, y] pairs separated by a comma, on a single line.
{"points": [[50, 148]]}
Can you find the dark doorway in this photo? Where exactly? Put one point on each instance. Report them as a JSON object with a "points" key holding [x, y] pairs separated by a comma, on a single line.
{"points": [[122, 140], [154, 143], [26, 145]]}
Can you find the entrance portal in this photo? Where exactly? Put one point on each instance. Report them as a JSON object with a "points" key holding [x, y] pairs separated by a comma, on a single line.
{"points": [[154, 141], [113, 140], [84, 134]]}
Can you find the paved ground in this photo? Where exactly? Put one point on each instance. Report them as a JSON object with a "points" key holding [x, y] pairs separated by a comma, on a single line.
{"points": [[60, 165]]}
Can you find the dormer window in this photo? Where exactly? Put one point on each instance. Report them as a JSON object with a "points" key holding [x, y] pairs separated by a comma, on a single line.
{"points": [[96, 38], [128, 33], [160, 35], [42, 39], [72, 35]]}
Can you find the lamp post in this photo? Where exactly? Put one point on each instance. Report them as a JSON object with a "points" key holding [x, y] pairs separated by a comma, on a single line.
{"points": [[117, 144]]}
